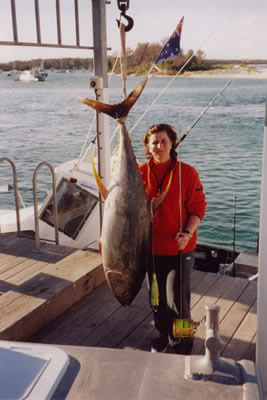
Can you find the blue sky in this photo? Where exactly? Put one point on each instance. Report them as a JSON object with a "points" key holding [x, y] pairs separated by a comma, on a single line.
{"points": [[221, 28]]}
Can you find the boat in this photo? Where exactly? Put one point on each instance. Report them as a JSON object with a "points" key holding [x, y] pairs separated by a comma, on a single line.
{"points": [[27, 76], [40, 74], [66, 217], [34, 75]]}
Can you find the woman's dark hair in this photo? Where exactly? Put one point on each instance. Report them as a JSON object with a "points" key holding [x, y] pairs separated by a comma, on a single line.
{"points": [[159, 128]]}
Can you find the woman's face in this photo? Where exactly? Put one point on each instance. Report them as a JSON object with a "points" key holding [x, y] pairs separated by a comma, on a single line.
{"points": [[160, 146]]}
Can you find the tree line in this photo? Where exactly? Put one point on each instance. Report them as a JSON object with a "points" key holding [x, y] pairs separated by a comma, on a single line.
{"points": [[139, 61]]}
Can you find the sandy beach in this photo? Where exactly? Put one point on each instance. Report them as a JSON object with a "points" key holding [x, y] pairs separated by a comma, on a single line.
{"points": [[235, 72]]}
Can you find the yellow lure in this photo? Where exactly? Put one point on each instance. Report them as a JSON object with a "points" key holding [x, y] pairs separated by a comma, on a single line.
{"points": [[154, 300]]}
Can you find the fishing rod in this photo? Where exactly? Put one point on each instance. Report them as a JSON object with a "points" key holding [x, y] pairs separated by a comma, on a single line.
{"points": [[204, 111], [234, 239]]}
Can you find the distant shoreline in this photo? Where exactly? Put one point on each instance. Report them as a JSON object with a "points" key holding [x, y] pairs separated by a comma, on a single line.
{"points": [[230, 72], [237, 72]]}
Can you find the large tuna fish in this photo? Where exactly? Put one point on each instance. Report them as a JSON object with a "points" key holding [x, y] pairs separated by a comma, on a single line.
{"points": [[127, 219]]}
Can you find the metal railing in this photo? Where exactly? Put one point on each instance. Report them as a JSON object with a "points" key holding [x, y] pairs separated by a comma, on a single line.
{"points": [[39, 42], [35, 199], [16, 191]]}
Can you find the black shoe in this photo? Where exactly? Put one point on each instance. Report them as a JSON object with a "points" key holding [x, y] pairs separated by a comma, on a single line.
{"points": [[160, 344], [183, 346]]}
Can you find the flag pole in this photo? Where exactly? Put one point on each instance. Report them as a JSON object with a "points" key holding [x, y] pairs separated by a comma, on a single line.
{"points": [[170, 81]]}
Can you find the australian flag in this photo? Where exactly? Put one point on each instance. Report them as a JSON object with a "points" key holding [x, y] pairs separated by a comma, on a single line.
{"points": [[172, 47]]}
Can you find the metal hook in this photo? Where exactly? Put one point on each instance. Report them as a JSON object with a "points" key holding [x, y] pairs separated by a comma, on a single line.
{"points": [[123, 5], [129, 20]]}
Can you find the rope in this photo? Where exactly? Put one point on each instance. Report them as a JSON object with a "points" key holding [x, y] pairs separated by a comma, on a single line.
{"points": [[123, 58]]}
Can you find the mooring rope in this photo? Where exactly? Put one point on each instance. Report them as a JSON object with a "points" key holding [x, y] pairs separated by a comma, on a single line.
{"points": [[123, 59]]}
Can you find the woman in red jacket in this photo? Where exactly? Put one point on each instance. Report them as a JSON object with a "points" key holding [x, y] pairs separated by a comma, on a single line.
{"points": [[175, 222]]}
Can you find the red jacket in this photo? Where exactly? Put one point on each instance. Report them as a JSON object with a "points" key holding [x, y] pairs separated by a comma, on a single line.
{"points": [[166, 219]]}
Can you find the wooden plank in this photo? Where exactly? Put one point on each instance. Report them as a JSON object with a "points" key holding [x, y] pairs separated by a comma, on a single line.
{"points": [[99, 302], [203, 286], [226, 296], [250, 353], [99, 320], [232, 320], [243, 337], [196, 277], [140, 338], [212, 296], [75, 317], [50, 281], [81, 335], [22, 272], [48, 295], [122, 322], [137, 323], [6, 240]]}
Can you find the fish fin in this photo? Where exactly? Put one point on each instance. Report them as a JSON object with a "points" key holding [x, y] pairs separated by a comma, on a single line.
{"points": [[101, 187], [117, 111], [156, 202]]}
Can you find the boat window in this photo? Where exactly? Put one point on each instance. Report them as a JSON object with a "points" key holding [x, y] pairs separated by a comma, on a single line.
{"points": [[74, 207]]}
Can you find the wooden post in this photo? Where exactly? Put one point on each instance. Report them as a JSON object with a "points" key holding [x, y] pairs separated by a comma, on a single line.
{"points": [[261, 352]]}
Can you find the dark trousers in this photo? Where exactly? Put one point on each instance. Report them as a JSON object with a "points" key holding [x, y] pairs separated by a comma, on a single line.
{"points": [[174, 297]]}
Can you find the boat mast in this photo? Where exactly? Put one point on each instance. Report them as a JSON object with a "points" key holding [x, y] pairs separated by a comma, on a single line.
{"points": [[101, 72], [261, 353]]}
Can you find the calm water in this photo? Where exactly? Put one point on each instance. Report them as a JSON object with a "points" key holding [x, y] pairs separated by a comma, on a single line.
{"points": [[44, 121]]}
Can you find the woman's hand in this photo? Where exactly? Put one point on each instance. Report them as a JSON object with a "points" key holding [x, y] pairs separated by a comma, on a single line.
{"points": [[182, 240]]}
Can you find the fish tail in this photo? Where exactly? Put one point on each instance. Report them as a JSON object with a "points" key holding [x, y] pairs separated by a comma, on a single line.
{"points": [[117, 111]]}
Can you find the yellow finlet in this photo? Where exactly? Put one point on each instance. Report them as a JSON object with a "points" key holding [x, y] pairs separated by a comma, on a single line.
{"points": [[101, 187]]}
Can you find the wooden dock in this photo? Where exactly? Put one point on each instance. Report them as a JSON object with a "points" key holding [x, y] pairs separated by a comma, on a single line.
{"points": [[38, 286], [61, 299]]}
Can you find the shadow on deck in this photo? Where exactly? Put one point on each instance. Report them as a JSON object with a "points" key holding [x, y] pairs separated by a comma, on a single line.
{"points": [[58, 296]]}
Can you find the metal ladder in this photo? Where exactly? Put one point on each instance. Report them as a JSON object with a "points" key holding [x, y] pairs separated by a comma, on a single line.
{"points": [[36, 216], [35, 202]]}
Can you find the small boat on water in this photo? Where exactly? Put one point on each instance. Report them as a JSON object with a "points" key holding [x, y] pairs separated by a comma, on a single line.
{"points": [[34, 75]]}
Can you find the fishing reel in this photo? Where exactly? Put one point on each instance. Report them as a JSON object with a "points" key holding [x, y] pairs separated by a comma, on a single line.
{"points": [[184, 328]]}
